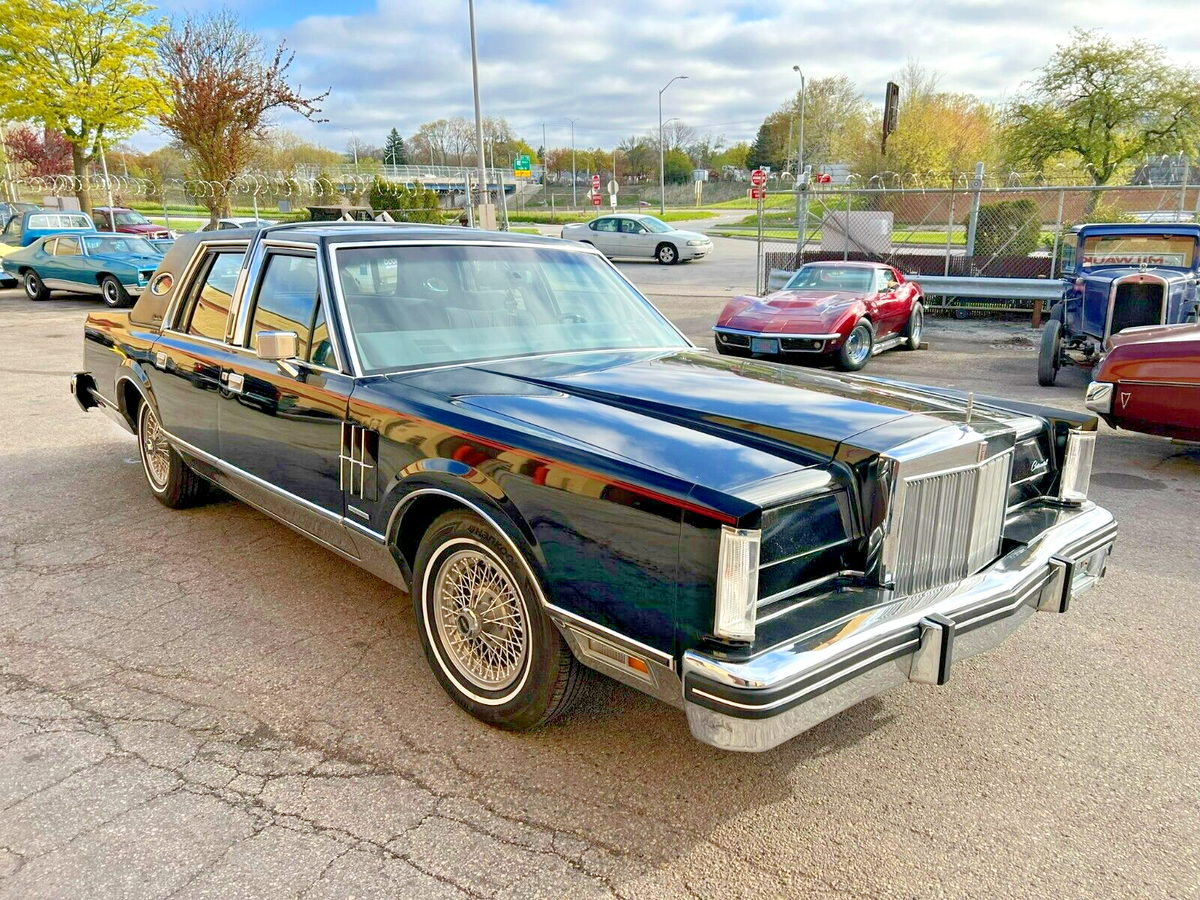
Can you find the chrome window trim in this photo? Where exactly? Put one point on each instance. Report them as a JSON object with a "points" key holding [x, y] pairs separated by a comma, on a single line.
{"points": [[724, 329], [1138, 278], [567, 246], [184, 281]]}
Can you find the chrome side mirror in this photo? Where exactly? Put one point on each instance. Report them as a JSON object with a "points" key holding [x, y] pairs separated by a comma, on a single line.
{"points": [[280, 346]]}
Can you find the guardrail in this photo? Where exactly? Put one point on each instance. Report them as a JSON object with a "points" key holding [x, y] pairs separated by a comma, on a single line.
{"points": [[1037, 291]]}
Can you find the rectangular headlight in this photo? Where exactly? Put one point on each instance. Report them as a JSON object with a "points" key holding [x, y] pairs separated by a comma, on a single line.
{"points": [[737, 583], [1077, 466]]}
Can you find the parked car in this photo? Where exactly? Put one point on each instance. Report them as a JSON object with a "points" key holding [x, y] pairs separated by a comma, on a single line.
{"points": [[15, 208], [844, 310], [229, 224], [638, 236], [503, 426], [162, 245], [1117, 277], [127, 221], [115, 266], [1149, 381], [23, 230]]}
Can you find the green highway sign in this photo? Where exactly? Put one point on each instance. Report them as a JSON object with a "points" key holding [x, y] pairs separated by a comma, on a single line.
{"points": [[521, 167]]}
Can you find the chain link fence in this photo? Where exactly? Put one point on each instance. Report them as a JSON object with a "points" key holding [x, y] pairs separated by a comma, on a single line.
{"points": [[974, 231]]}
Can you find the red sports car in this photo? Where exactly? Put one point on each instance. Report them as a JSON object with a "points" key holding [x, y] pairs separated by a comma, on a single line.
{"points": [[850, 310], [1149, 381]]}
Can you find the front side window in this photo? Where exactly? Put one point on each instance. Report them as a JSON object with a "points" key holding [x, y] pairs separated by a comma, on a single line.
{"points": [[851, 279], [287, 298], [66, 247], [14, 229], [413, 307], [631, 226], [207, 309], [1069, 247]]}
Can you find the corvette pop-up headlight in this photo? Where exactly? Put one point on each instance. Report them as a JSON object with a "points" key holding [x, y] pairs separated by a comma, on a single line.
{"points": [[1077, 466], [737, 583]]}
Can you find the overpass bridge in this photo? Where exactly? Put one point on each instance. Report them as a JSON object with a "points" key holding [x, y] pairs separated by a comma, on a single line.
{"points": [[443, 179]]}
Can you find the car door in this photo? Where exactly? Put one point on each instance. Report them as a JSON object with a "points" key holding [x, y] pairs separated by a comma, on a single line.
{"points": [[890, 303], [635, 240], [285, 428], [604, 235], [191, 352]]}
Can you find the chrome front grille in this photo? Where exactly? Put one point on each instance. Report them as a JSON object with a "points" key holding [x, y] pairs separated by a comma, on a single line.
{"points": [[949, 524]]}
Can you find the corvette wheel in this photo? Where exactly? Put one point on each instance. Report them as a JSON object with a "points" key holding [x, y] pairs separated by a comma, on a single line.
{"points": [[485, 635], [173, 483], [34, 289], [855, 352], [916, 325], [113, 293]]}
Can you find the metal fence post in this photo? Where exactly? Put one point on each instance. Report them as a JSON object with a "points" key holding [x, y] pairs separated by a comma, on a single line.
{"points": [[949, 233], [973, 219], [802, 225], [760, 258], [846, 242], [1183, 186]]}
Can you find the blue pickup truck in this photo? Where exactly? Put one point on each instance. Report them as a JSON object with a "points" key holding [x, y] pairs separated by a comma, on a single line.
{"points": [[1117, 277]]}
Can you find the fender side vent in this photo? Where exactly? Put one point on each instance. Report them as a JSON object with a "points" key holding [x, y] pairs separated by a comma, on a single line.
{"points": [[358, 460]]}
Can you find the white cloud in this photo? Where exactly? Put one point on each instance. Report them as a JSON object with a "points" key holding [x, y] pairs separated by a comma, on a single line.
{"points": [[408, 61]]}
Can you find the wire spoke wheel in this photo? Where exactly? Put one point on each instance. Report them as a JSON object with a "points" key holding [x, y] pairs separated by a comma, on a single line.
{"points": [[156, 452], [481, 619]]}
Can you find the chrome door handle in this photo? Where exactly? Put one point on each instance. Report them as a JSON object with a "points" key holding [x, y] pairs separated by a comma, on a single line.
{"points": [[235, 382]]}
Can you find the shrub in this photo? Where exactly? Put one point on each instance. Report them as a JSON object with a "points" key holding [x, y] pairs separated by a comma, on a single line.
{"points": [[1007, 228], [405, 204]]}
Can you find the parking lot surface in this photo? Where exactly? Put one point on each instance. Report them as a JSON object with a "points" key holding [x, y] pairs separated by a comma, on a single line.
{"points": [[204, 704]]}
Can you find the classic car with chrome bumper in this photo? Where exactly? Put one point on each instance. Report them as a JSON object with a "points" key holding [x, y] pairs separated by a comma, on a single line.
{"points": [[760, 702]]}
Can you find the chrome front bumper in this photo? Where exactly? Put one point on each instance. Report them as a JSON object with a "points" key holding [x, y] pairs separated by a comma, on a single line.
{"points": [[758, 703]]}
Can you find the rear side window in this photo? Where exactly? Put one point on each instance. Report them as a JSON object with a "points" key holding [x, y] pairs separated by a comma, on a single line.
{"points": [[207, 308], [287, 299], [604, 225], [67, 247]]}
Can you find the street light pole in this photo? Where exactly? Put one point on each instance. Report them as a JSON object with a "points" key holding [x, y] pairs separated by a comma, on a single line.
{"points": [[662, 156], [574, 201], [801, 189], [478, 113]]}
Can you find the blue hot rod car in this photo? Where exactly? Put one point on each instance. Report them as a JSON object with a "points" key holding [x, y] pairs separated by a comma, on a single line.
{"points": [[115, 266], [503, 426], [1117, 277]]}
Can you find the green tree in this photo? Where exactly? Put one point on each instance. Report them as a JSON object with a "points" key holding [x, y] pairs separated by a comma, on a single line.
{"points": [[394, 151], [760, 150], [404, 204], [82, 68], [1106, 104], [677, 167], [1007, 228]]}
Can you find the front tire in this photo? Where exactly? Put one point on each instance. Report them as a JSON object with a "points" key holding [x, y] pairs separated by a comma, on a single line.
{"points": [[667, 254], [34, 288], [113, 293], [490, 644], [856, 349], [916, 325], [173, 484], [1049, 353]]}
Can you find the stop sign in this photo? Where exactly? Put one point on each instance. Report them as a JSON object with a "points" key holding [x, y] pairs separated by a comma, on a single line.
{"points": [[758, 178]]}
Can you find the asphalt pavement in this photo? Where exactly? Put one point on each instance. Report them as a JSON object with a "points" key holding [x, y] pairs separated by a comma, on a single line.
{"points": [[204, 704]]}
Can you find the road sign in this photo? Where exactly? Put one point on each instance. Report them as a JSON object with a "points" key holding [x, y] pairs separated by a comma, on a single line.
{"points": [[758, 178], [597, 199], [521, 167], [758, 193], [612, 186], [612, 200], [596, 182]]}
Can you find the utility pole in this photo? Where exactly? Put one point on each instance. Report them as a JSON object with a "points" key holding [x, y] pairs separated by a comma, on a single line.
{"points": [[801, 195], [574, 200], [108, 185], [543, 161], [662, 156], [478, 109]]}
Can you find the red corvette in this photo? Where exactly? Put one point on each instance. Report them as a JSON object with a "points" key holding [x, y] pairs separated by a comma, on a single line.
{"points": [[850, 310], [1149, 381]]}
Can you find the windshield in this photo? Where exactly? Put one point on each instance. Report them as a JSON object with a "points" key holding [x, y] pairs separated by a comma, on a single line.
{"points": [[131, 218], [657, 226], [412, 307], [99, 246], [1139, 250], [854, 279]]}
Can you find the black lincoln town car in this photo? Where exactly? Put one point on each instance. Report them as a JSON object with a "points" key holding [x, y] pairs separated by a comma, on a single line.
{"points": [[505, 428]]}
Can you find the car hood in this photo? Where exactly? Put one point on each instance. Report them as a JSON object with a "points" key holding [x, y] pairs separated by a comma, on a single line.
{"points": [[137, 260], [711, 421], [1109, 274], [1154, 334], [775, 311], [146, 228], [687, 235]]}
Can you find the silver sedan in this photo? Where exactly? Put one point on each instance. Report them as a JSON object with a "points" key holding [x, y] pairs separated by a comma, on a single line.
{"points": [[639, 237]]}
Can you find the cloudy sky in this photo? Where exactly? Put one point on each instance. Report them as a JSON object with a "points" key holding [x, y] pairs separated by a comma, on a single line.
{"points": [[397, 63]]}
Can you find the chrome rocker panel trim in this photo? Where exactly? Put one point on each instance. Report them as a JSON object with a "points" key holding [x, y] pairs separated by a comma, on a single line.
{"points": [[759, 703]]}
